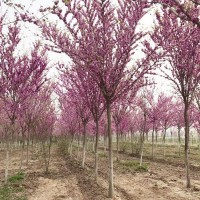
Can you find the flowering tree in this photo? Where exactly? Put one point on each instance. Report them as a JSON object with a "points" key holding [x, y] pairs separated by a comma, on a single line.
{"points": [[44, 122], [90, 94], [181, 50], [154, 118], [69, 119], [103, 44], [186, 10], [75, 95], [21, 76], [165, 106], [178, 120], [120, 110]]}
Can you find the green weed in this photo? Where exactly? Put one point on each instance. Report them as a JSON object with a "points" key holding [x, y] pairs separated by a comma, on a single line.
{"points": [[17, 177], [133, 165]]}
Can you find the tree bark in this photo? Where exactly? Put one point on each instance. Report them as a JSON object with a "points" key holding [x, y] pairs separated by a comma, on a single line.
{"points": [[179, 141], [117, 142], [105, 139], [111, 185], [7, 161], [71, 145], [84, 144], [22, 153], [156, 132], [96, 150], [27, 148], [143, 138], [164, 137], [132, 140], [188, 183], [153, 144], [142, 149]]}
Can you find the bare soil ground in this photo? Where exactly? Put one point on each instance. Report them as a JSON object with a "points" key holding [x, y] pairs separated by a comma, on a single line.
{"points": [[68, 181]]}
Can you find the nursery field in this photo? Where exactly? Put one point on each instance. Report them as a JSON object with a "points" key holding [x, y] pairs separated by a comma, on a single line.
{"points": [[100, 99], [161, 178]]}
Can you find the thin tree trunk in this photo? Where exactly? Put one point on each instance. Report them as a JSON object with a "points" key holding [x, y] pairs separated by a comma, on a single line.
{"points": [[111, 185], [147, 136], [199, 140], [96, 150], [142, 149], [179, 141], [164, 136], [93, 144], [79, 131], [117, 142], [7, 161], [156, 132], [22, 154], [49, 154], [84, 144], [70, 147], [78, 146], [188, 183], [32, 147], [105, 141], [132, 140], [27, 148], [153, 144], [143, 138]]}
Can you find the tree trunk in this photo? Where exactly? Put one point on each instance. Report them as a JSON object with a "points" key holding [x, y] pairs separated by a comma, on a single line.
{"points": [[156, 132], [147, 136], [71, 145], [198, 140], [27, 148], [164, 136], [84, 144], [132, 140], [143, 138], [22, 154], [111, 185], [117, 142], [179, 141], [105, 141], [93, 144], [96, 150], [188, 183], [7, 161], [32, 146], [153, 144], [142, 149], [79, 131]]}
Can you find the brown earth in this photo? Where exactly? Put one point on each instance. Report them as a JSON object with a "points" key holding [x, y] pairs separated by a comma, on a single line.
{"points": [[68, 181]]}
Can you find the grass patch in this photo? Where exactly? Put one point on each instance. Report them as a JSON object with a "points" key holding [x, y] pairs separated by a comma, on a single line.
{"points": [[11, 192], [17, 177], [133, 165], [5, 192], [14, 189]]}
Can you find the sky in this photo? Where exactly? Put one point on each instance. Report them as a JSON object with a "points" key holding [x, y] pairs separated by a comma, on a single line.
{"points": [[31, 33]]}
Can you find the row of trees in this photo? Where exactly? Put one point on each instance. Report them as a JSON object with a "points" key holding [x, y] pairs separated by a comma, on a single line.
{"points": [[27, 112], [102, 41], [145, 118]]}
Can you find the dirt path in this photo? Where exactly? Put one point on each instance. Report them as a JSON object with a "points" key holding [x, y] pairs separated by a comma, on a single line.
{"points": [[68, 181], [60, 184], [50, 189]]}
